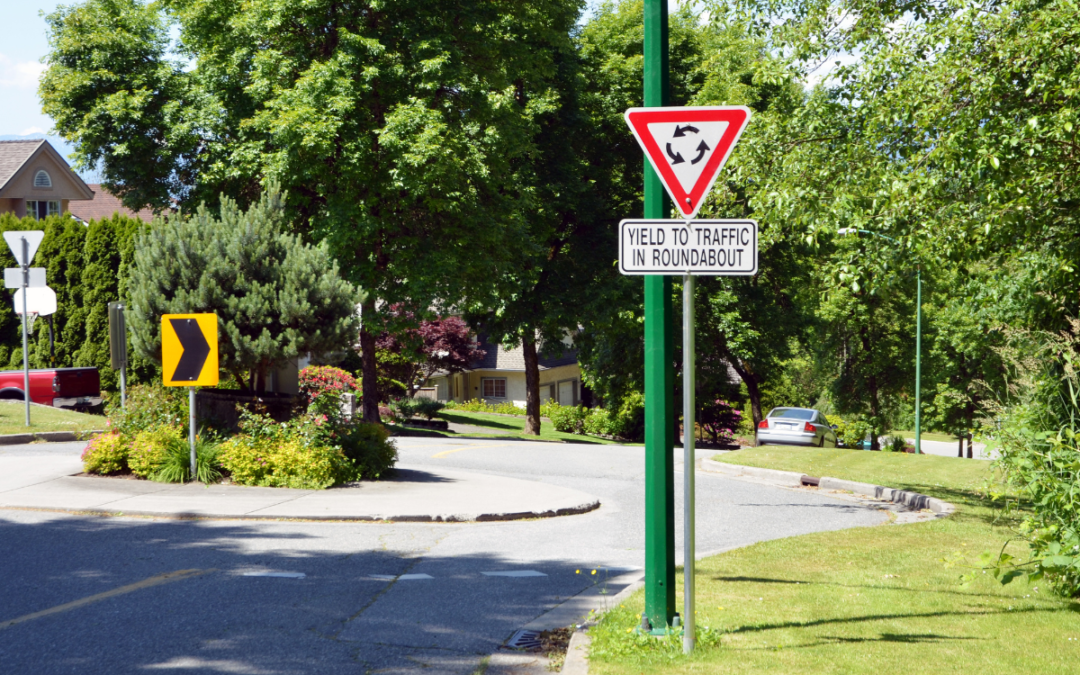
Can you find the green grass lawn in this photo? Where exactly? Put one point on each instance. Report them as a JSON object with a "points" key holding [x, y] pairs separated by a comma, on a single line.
{"points": [[500, 423], [865, 600], [44, 418]]}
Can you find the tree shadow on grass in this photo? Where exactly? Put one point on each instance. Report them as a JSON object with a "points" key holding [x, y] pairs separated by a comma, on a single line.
{"points": [[759, 628], [458, 418], [874, 587]]}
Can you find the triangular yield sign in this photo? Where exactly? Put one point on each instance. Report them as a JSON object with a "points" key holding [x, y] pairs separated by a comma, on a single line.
{"points": [[14, 241], [687, 147]]}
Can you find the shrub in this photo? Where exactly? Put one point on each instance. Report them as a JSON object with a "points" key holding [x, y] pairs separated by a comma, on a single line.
{"points": [[106, 454], [149, 406], [599, 422], [481, 406], [851, 432], [428, 407], [310, 451], [630, 419], [150, 449], [369, 450], [287, 463], [404, 408], [568, 419]]}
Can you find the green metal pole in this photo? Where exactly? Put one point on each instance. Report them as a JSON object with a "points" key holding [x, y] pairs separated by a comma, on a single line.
{"points": [[918, 362], [659, 367]]}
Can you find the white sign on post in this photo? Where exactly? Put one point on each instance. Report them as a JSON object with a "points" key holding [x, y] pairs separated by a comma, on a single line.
{"points": [[697, 248], [13, 277]]}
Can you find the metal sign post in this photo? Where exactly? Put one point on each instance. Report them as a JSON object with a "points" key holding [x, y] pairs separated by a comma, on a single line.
{"points": [[24, 244], [25, 349], [689, 464]]}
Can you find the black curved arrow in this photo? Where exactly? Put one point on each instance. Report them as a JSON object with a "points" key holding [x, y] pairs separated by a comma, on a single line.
{"points": [[701, 150], [676, 158], [196, 349], [681, 131]]}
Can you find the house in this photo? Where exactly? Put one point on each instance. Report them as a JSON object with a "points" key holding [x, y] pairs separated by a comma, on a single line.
{"points": [[35, 180], [106, 205], [499, 377]]}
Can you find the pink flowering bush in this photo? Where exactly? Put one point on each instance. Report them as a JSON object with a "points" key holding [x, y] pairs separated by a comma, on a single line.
{"points": [[320, 381], [720, 420]]}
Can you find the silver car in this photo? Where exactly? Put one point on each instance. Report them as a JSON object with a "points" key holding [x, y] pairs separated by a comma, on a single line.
{"points": [[796, 426]]}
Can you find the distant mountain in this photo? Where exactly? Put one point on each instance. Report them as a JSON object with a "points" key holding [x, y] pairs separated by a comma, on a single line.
{"points": [[61, 146]]}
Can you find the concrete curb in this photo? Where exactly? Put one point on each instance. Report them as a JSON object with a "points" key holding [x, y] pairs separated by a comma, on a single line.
{"points": [[911, 500], [48, 436], [786, 478]]}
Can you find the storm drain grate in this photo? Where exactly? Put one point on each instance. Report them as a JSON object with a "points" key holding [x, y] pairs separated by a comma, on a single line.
{"points": [[524, 639]]}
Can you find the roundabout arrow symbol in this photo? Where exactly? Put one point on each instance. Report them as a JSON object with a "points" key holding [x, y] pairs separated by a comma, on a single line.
{"points": [[676, 157], [702, 148]]}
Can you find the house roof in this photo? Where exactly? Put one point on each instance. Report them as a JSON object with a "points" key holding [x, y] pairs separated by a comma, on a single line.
{"points": [[498, 357], [104, 205], [16, 156], [13, 154]]}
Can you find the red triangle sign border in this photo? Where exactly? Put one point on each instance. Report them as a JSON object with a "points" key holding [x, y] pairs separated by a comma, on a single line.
{"points": [[639, 120]]}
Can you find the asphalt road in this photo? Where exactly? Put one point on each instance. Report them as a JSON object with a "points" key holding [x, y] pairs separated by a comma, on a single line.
{"points": [[219, 614]]}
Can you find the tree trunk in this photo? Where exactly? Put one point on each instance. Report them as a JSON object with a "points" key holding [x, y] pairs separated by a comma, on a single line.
{"points": [[969, 446], [875, 414], [370, 368], [532, 383], [960, 445]]}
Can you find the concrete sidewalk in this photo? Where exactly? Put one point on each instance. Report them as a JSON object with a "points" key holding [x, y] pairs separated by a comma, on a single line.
{"points": [[49, 481]]}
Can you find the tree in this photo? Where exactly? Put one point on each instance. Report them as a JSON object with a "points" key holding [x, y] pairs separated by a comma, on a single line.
{"points": [[442, 344], [399, 131], [276, 297]]}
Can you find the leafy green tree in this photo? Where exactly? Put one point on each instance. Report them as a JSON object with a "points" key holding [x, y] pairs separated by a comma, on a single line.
{"points": [[399, 131], [275, 297], [62, 252]]}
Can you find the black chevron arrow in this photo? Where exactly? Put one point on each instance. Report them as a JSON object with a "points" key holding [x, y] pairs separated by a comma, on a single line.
{"points": [[196, 349], [701, 150], [681, 131], [676, 158]]}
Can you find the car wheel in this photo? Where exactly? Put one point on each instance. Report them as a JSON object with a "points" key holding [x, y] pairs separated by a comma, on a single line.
{"points": [[759, 443]]}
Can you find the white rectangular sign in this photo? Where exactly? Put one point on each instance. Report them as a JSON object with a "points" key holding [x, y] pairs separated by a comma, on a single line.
{"points": [[13, 277], [700, 247]]}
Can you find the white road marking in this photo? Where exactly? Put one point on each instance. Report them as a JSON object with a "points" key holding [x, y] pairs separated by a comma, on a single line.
{"points": [[403, 577], [280, 575], [515, 573]]}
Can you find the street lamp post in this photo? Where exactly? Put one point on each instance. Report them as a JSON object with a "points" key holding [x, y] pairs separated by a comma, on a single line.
{"points": [[918, 334]]}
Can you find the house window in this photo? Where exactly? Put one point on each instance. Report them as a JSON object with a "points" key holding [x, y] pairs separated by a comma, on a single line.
{"points": [[493, 387], [42, 179], [41, 209]]}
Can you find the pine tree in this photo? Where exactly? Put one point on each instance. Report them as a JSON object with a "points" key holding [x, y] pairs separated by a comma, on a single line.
{"points": [[275, 297]]}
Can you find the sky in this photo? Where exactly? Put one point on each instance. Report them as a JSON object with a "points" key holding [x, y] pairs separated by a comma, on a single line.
{"points": [[21, 49]]}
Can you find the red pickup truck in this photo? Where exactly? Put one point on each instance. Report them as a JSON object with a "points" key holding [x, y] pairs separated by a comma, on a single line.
{"points": [[57, 387]]}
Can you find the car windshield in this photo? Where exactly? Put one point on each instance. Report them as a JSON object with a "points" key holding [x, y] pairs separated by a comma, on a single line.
{"points": [[793, 413]]}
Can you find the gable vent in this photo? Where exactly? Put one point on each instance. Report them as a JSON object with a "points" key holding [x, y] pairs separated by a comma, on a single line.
{"points": [[41, 179]]}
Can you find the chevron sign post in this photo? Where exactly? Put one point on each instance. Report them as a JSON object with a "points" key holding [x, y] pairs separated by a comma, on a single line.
{"points": [[189, 358]]}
